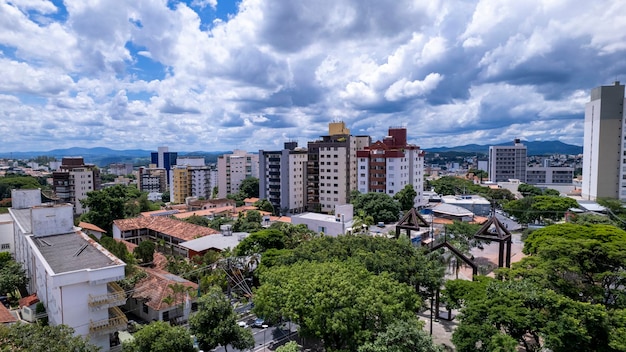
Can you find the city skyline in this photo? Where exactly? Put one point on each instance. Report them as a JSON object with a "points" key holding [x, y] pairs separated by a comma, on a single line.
{"points": [[224, 75]]}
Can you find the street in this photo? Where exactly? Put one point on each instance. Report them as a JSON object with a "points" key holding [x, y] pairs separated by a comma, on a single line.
{"points": [[263, 337]]}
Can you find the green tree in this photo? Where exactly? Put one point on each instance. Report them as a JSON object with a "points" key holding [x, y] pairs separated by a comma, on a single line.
{"points": [[35, 337], [248, 222], [145, 251], [250, 187], [159, 336], [582, 262], [402, 336], [401, 260], [260, 241], [540, 208], [265, 205], [198, 220], [117, 202], [536, 318], [215, 323], [380, 206], [406, 197], [529, 190], [290, 346], [343, 304], [12, 275], [14, 181]]}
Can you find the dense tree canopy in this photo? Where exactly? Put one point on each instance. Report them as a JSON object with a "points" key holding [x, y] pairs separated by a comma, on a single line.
{"points": [[566, 295], [406, 197], [12, 274], [402, 336], [159, 336], [534, 317], [260, 241], [540, 208], [585, 263], [35, 337], [380, 206], [250, 187], [14, 181], [215, 323], [399, 258], [341, 303], [112, 203]]}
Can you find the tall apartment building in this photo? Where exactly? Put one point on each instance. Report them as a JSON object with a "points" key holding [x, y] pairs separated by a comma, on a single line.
{"points": [[165, 159], [507, 162], [389, 165], [73, 180], [604, 150], [234, 168], [331, 168], [72, 275], [152, 179], [191, 177], [282, 177]]}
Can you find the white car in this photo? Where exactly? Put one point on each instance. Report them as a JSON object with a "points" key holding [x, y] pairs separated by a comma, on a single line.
{"points": [[242, 324]]}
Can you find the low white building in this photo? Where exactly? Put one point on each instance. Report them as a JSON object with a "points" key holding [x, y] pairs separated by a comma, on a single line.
{"points": [[330, 225], [6, 233], [72, 275], [474, 203]]}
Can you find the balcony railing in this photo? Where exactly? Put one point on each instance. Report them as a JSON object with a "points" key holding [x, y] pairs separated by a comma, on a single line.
{"points": [[117, 320], [114, 297]]}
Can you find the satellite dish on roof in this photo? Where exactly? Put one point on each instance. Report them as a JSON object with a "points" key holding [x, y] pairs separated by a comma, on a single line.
{"points": [[49, 194]]}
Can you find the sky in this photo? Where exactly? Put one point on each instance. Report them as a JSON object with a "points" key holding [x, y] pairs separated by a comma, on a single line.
{"points": [[213, 75]]}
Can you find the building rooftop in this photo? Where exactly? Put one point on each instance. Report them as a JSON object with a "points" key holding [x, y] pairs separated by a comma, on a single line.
{"points": [[220, 242], [6, 316], [74, 251], [172, 227], [91, 227], [157, 286], [23, 218]]}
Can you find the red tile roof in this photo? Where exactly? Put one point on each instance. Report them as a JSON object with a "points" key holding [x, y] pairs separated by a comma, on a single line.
{"points": [[28, 300], [205, 212], [157, 287], [5, 315], [172, 227], [92, 227]]}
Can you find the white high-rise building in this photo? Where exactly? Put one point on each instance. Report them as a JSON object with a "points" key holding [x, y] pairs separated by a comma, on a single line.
{"points": [[508, 162], [389, 165], [281, 177], [604, 150], [72, 275], [234, 168]]}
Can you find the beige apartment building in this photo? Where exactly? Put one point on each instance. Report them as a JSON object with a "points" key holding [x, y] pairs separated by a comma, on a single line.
{"points": [[234, 168]]}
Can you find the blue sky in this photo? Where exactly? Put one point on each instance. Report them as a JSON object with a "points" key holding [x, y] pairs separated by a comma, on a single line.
{"points": [[252, 74]]}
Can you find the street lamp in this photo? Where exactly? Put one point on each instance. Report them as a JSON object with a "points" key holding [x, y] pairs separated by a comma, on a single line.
{"points": [[264, 326], [431, 315]]}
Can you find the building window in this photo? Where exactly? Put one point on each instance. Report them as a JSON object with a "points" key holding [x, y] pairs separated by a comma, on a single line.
{"points": [[5, 246], [145, 308], [166, 316]]}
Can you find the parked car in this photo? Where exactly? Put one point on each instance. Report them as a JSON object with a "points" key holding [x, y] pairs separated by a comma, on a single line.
{"points": [[258, 323], [242, 324]]}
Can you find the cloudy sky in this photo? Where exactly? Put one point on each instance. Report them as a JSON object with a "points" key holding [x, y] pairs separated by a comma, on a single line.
{"points": [[220, 74]]}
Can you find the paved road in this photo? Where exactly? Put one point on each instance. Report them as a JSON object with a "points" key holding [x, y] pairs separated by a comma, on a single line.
{"points": [[262, 338]]}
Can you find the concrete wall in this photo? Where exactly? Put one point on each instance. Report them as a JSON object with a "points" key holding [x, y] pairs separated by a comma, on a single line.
{"points": [[52, 220]]}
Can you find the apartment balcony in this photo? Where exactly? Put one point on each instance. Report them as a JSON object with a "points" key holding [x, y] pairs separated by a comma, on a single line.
{"points": [[117, 321], [114, 297]]}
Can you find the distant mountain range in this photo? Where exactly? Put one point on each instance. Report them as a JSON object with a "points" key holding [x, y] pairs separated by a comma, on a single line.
{"points": [[534, 148], [104, 156]]}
